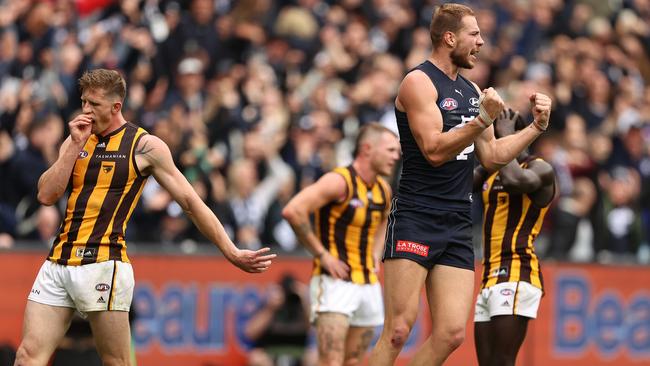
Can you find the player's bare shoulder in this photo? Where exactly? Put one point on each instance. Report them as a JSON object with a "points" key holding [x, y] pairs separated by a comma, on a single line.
{"points": [[333, 186], [415, 87], [150, 152]]}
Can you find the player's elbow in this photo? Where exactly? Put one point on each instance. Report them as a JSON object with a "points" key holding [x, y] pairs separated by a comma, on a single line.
{"points": [[513, 180], [46, 199], [437, 155], [436, 160], [492, 166], [289, 213], [519, 183]]}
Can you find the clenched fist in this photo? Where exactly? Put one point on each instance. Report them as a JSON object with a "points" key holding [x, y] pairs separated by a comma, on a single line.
{"points": [[541, 110], [490, 105]]}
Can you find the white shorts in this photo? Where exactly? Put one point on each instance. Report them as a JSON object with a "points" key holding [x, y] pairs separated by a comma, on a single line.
{"points": [[91, 287], [507, 298], [362, 304]]}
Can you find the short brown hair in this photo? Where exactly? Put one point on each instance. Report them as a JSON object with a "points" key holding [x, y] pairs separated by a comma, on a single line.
{"points": [[447, 18], [110, 81], [368, 131]]}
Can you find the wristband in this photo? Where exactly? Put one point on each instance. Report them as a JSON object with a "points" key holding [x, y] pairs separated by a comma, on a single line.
{"points": [[483, 115], [481, 122], [537, 126]]}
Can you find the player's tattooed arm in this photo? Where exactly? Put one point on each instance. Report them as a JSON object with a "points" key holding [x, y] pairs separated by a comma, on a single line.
{"points": [[303, 229], [144, 149], [306, 236], [151, 152]]}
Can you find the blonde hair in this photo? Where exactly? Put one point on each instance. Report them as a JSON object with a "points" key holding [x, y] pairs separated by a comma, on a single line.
{"points": [[367, 132], [110, 81]]}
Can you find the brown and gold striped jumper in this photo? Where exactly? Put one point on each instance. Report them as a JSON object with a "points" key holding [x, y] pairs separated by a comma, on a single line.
{"points": [[511, 222], [347, 228], [106, 185]]}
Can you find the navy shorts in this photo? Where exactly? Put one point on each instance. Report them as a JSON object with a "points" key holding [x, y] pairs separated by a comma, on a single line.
{"points": [[428, 236]]}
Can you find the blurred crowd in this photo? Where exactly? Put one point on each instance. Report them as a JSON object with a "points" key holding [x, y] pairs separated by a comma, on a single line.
{"points": [[258, 98]]}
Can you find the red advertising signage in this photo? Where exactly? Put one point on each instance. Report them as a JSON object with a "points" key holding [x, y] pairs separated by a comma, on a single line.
{"points": [[191, 311]]}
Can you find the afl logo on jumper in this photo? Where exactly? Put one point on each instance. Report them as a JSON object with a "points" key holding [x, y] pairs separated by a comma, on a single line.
{"points": [[83, 154], [449, 104]]}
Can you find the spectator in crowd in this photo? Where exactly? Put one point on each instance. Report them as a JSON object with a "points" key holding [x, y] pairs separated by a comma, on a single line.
{"points": [[44, 136], [577, 192], [251, 197], [279, 328], [335, 63], [623, 232]]}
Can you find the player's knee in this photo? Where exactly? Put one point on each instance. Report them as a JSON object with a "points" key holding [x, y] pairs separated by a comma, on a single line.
{"points": [[399, 333], [26, 355], [331, 358], [352, 361], [116, 360], [454, 337]]}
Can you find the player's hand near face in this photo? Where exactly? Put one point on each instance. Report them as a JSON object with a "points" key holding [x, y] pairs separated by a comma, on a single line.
{"points": [[253, 261], [336, 268], [53, 183], [541, 109], [80, 128]]}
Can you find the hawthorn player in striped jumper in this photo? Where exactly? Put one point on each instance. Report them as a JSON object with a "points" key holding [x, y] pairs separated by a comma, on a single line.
{"points": [[443, 120], [515, 201], [105, 161], [350, 205]]}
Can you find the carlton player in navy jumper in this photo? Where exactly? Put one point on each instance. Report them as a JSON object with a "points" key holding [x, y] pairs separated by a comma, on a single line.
{"points": [[515, 201], [443, 120], [350, 206], [105, 161]]}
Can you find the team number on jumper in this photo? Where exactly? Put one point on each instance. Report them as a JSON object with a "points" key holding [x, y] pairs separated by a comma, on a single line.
{"points": [[469, 149]]}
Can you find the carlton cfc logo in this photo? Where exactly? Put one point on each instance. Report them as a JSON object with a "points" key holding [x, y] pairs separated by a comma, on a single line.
{"points": [[449, 104]]}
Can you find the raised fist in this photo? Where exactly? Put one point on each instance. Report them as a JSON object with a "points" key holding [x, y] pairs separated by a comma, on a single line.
{"points": [[490, 105], [541, 110]]}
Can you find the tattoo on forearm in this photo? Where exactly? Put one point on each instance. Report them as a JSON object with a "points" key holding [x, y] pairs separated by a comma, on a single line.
{"points": [[303, 229]]}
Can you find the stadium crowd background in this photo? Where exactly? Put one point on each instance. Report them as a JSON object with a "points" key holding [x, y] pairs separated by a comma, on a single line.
{"points": [[258, 98]]}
